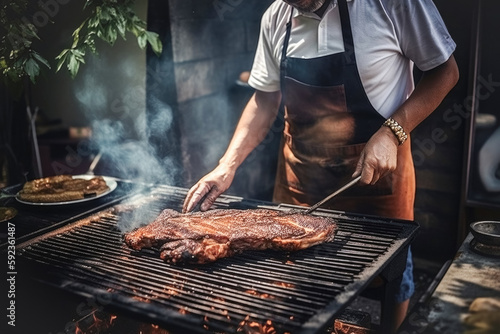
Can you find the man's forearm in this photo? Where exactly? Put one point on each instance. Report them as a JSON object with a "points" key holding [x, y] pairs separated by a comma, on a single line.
{"points": [[254, 124], [380, 154], [428, 94]]}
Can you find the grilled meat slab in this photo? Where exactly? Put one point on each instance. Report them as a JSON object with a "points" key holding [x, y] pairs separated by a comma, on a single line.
{"points": [[203, 237], [62, 188]]}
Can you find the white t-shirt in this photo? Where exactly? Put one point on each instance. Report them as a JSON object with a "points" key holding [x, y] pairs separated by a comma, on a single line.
{"points": [[389, 37]]}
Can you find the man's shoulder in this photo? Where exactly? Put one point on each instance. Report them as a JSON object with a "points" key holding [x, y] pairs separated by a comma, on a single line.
{"points": [[405, 6]]}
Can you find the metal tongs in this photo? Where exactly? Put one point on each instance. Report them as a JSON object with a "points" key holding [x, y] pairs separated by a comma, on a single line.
{"points": [[335, 193]]}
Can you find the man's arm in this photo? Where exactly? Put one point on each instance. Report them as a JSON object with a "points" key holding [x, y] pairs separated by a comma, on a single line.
{"points": [[380, 154], [254, 124]]}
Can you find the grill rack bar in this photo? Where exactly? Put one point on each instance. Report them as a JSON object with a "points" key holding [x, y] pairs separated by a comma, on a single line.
{"points": [[126, 275], [259, 285]]}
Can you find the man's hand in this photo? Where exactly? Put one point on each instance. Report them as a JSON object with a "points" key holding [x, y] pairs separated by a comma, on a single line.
{"points": [[254, 124], [378, 158], [208, 188]]}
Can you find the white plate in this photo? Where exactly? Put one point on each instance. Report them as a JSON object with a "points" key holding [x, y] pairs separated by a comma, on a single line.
{"points": [[110, 182]]}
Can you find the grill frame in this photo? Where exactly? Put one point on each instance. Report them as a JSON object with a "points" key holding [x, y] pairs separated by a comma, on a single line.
{"points": [[348, 247]]}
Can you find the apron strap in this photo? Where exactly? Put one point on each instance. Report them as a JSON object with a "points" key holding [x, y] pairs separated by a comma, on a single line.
{"points": [[287, 36], [285, 49], [281, 110], [345, 22]]}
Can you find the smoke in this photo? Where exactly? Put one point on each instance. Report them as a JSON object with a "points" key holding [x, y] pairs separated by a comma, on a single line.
{"points": [[113, 97], [130, 159]]}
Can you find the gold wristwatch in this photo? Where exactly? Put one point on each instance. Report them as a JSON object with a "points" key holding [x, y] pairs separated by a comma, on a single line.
{"points": [[397, 129]]}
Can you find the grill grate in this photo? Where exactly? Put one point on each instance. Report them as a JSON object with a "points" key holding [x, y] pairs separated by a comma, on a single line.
{"points": [[296, 293]]}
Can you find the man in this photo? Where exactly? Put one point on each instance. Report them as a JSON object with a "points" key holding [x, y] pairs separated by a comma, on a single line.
{"points": [[344, 71]]}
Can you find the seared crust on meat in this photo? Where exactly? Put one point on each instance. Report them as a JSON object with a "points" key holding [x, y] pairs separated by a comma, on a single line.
{"points": [[62, 188], [207, 236]]}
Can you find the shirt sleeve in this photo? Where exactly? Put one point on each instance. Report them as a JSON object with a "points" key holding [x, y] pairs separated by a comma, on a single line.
{"points": [[422, 34], [265, 73]]}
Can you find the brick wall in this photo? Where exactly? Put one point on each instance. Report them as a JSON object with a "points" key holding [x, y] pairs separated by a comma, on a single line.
{"points": [[212, 43]]}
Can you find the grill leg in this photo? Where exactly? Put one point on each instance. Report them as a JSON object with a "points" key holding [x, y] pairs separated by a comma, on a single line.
{"points": [[391, 277], [390, 309]]}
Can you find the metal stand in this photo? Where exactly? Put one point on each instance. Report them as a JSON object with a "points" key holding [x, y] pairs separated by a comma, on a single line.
{"points": [[34, 140], [392, 277]]}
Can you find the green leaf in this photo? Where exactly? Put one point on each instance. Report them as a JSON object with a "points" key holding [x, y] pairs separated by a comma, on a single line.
{"points": [[19, 64], [13, 76], [155, 42], [32, 69], [142, 40], [90, 42], [29, 31], [79, 54], [100, 33], [40, 59], [103, 13], [112, 13], [111, 34], [76, 34], [17, 41], [134, 27], [93, 22], [3, 63], [121, 27], [62, 54], [62, 59], [87, 4], [73, 65]]}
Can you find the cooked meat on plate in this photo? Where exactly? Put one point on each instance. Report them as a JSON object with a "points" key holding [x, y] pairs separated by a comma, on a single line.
{"points": [[62, 188]]}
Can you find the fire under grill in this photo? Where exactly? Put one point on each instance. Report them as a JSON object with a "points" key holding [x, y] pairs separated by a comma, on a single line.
{"points": [[257, 291]]}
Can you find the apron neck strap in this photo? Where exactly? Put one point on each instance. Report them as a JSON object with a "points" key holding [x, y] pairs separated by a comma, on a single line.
{"points": [[283, 57], [345, 22], [287, 36]]}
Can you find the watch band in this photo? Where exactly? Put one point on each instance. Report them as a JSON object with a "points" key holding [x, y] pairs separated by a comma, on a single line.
{"points": [[397, 129]]}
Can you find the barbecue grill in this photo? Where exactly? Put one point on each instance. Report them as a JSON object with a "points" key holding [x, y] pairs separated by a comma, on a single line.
{"points": [[267, 291]]}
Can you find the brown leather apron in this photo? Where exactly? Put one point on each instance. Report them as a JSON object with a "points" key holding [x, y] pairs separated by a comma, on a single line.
{"points": [[328, 120]]}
